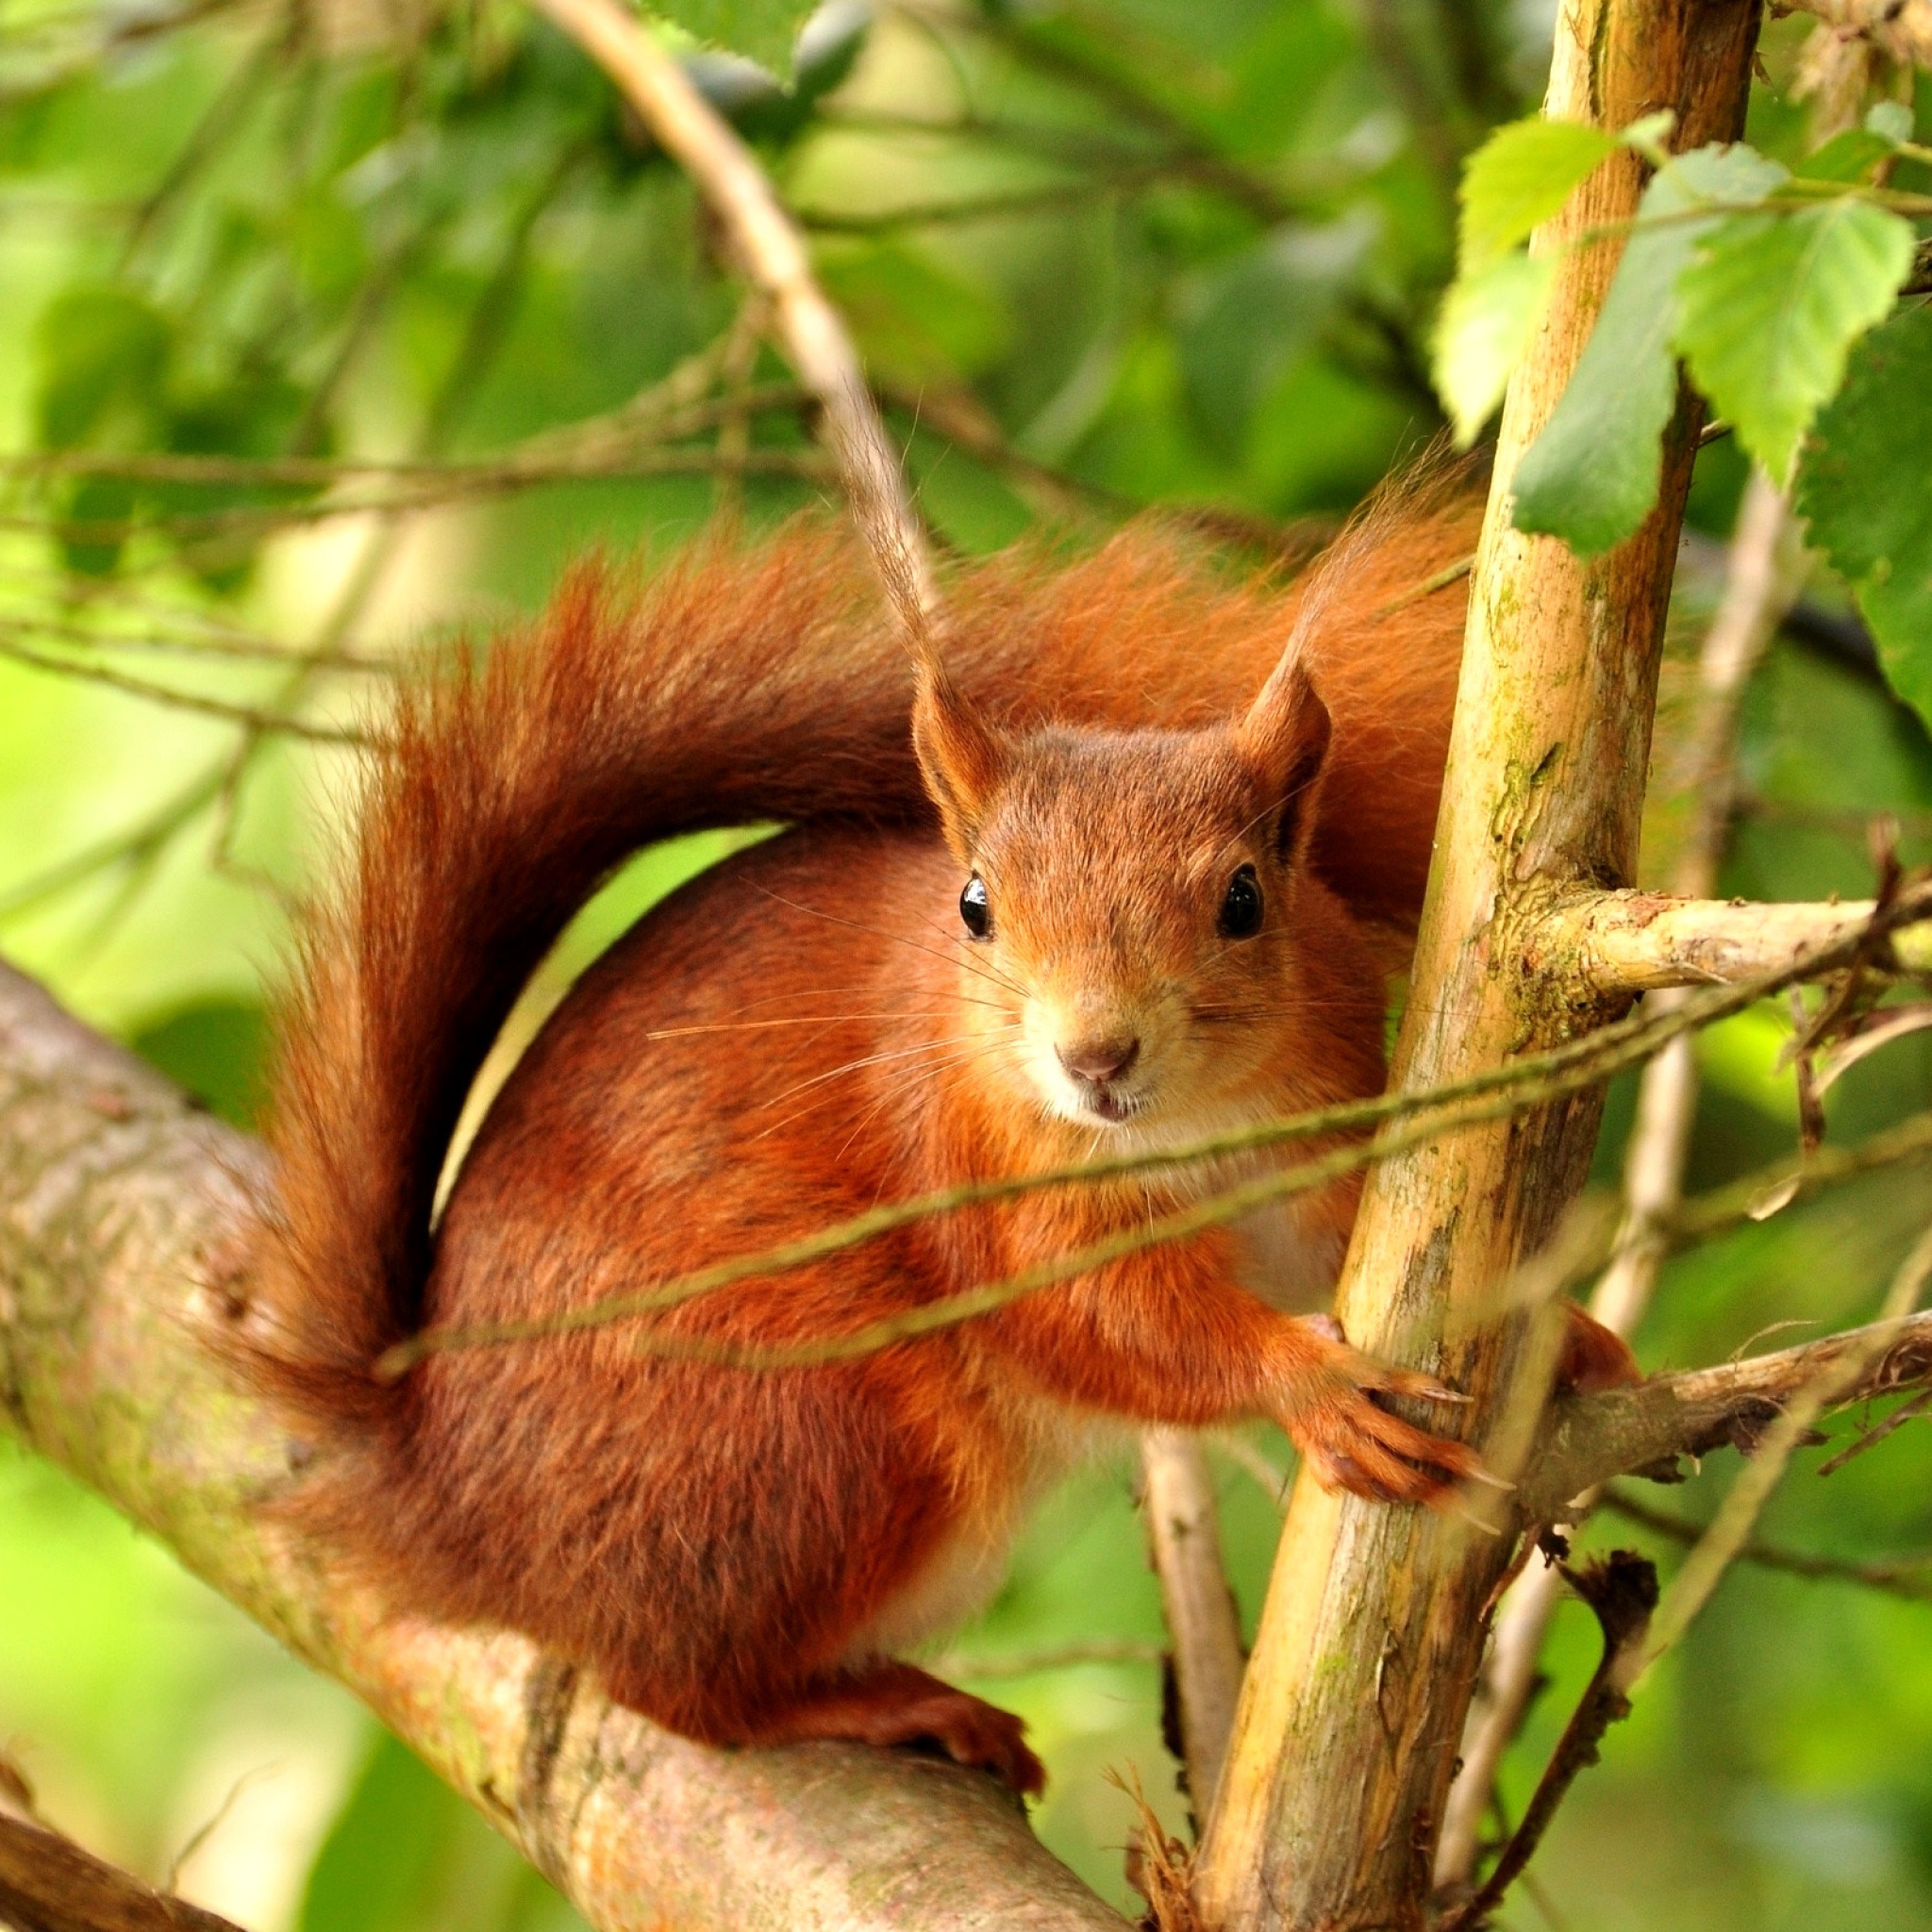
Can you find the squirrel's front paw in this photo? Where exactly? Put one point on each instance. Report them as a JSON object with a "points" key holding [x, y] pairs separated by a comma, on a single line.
{"points": [[1352, 1444]]}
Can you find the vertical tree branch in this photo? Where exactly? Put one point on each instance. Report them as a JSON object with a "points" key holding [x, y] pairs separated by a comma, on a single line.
{"points": [[772, 253], [1184, 1537], [1355, 1699], [1760, 584]]}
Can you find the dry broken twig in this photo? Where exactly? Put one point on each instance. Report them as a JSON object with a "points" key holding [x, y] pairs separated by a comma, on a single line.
{"points": [[1622, 1590]]}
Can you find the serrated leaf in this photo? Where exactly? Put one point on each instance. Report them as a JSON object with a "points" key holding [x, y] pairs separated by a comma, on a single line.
{"points": [[763, 30], [1769, 310], [1591, 477], [1522, 175], [1866, 486], [1486, 320]]}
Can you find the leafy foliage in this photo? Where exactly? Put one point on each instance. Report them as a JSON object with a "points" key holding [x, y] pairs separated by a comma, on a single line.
{"points": [[1591, 477], [1867, 490], [763, 30], [1771, 307]]}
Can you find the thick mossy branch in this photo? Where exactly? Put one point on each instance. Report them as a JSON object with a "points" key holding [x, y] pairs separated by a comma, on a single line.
{"points": [[126, 1220]]}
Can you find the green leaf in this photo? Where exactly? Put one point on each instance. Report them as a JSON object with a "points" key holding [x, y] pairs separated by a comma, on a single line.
{"points": [[1769, 312], [1486, 320], [1522, 175], [1848, 156], [763, 30], [380, 1862], [1866, 486], [1591, 477], [104, 358], [1891, 121]]}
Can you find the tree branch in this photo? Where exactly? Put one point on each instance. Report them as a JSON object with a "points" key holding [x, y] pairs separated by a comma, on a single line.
{"points": [[1184, 1538], [1586, 1439], [1625, 942], [1909, 1577], [127, 1223], [1761, 580]]}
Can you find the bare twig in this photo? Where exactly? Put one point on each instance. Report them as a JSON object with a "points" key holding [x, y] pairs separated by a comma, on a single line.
{"points": [[1836, 1379], [772, 254], [1622, 1590], [1587, 1440], [48, 1884], [1184, 1539], [256, 719], [1909, 1577], [1634, 942], [1906, 1412], [448, 484]]}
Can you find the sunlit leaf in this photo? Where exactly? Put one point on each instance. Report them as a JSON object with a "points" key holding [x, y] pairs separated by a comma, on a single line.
{"points": [[1591, 477], [763, 30], [1486, 321], [1866, 486], [1769, 310], [1522, 175]]}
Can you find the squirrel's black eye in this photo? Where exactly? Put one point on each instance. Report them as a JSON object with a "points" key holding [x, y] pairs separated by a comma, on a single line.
{"points": [[1240, 908], [974, 908]]}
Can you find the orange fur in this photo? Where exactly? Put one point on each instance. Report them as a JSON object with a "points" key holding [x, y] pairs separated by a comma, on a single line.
{"points": [[807, 1029]]}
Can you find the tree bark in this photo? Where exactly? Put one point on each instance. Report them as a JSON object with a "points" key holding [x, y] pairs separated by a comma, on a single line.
{"points": [[1606, 944], [127, 1223], [1355, 1699]]}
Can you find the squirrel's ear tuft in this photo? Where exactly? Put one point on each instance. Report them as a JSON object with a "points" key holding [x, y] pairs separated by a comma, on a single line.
{"points": [[1283, 741], [960, 756]]}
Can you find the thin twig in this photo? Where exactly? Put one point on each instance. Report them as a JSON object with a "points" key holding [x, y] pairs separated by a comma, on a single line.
{"points": [[773, 254], [1906, 1412], [1731, 1529], [1909, 1577], [254, 718], [1622, 1590], [1184, 1544]]}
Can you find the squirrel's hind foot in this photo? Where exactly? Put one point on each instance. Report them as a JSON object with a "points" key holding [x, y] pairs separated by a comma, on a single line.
{"points": [[895, 1704]]}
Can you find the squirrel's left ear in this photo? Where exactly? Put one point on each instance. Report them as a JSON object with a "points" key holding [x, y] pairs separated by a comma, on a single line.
{"points": [[1283, 740], [960, 756]]}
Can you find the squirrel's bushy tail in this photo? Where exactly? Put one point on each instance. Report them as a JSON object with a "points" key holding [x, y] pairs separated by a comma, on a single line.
{"points": [[733, 688]]}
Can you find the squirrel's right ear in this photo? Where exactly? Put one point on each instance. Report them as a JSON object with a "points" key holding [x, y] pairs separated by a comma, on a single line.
{"points": [[960, 756]]}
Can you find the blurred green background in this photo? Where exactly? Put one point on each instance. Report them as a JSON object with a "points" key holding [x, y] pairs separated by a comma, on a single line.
{"points": [[1179, 251]]}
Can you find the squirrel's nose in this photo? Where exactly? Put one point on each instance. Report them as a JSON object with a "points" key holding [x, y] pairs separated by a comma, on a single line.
{"points": [[1099, 1060]]}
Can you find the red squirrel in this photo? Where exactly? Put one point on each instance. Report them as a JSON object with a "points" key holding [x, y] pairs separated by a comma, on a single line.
{"points": [[1112, 878]]}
